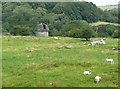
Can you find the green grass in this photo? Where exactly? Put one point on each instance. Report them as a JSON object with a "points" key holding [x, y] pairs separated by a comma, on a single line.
{"points": [[49, 62]]}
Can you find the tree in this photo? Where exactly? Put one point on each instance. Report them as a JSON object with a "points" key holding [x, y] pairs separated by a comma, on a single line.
{"points": [[106, 30], [78, 29], [116, 33], [87, 32], [20, 30]]}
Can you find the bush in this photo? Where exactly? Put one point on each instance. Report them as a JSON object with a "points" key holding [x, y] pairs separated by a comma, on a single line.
{"points": [[105, 30], [116, 33], [20, 30]]}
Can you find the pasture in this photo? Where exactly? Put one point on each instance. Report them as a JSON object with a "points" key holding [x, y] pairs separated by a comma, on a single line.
{"points": [[109, 7], [45, 62]]}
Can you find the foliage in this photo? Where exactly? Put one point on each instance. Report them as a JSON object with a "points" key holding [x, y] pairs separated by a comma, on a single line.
{"points": [[54, 14], [110, 16], [116, 33], [20, 30], [77, 28], [86, 32], [105, 30]]}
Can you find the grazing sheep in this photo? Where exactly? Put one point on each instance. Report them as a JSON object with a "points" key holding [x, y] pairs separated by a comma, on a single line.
{"points": [[97, 79], [109, 60], [93, 43], [113, 48], [116, 48], [87, 72], [102, 41], [99, 42]]}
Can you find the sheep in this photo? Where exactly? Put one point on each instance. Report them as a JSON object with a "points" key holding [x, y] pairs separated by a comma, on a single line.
{"points": [[87, 72], [102, 41], [99, 42], [97, 79], [116, 48], [93, 43], [109, 60]]}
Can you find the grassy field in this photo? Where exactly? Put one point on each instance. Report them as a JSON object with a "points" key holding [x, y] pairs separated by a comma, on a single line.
{"points": [[38, 62], [103, 23], [109, 7]]}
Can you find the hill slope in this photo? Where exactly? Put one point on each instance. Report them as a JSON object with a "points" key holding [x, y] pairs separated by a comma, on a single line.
{"points": [[108, 7]]}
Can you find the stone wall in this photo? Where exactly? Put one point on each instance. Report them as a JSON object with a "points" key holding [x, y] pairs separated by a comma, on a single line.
{"points": [[42, 34]]}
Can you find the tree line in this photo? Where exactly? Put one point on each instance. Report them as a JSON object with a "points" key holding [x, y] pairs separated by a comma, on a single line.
{"points": [[63, 19]]}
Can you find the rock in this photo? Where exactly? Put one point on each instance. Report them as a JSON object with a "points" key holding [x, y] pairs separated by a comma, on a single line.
{"points": [[69, 47], [56, 38]]}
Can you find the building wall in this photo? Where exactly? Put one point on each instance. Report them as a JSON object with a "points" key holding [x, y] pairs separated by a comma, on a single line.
{"points": [[42, 34]]}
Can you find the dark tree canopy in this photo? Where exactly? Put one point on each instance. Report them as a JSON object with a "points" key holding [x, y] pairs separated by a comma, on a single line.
{"points": [[57, 15]]}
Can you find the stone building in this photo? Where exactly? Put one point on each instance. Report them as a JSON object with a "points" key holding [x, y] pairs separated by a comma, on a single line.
{"points": [[42, 30]]}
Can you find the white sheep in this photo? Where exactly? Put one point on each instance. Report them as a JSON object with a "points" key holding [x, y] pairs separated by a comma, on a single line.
{"points": [[87, 72], [97, 79], [109, 60], [93, 43], [99, 42], [102, 41]]}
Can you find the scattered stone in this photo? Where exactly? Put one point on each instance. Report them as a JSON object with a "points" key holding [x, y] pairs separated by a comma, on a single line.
{"points": [[56, 38], [69, 47]]}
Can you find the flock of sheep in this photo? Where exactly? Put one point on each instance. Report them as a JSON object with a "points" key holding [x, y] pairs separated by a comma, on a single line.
{"points": [[99, 42], [97, 78]]}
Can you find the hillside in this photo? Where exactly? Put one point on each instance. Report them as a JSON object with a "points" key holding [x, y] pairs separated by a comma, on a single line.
{"points": [[108, 7], [25, 16]]}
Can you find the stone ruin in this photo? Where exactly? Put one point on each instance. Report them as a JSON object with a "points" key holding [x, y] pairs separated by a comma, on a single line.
{"points": [[42, 30]]}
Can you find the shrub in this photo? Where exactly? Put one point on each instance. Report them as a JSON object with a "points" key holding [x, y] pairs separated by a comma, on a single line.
{"points": [[20, 30]]}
